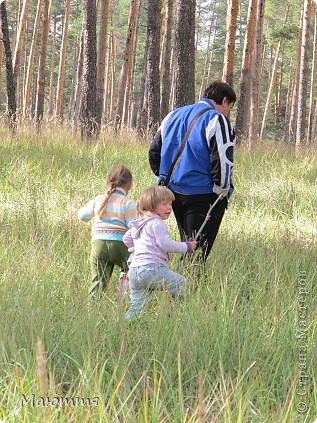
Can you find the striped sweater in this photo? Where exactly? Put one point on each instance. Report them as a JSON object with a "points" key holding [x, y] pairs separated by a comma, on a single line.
{"points": [[116, 217]]}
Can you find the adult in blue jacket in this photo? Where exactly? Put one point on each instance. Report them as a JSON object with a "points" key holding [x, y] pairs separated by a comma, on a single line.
{"points": [[204, 170]]}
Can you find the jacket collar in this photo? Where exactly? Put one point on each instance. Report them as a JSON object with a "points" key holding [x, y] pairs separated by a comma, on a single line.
{"points": [[207, 101]]}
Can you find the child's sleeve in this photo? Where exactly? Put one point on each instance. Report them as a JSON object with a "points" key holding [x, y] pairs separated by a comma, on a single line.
{"points": [[128, 240], [86, 213], [130, 215], [165, 242]]}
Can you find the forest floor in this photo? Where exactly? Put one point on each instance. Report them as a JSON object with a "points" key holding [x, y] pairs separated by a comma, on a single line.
{"points": [[242, 346]]}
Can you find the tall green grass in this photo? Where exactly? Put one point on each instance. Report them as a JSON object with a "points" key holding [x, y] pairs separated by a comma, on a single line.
{"points": [[229, 353]]}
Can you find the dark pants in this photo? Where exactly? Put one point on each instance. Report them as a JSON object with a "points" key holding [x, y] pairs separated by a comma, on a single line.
{"points": [[104, 256], [190, 212]]}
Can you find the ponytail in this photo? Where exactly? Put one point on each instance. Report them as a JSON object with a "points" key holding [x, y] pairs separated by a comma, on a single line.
{"points": [[104, 202], [119, 176]]}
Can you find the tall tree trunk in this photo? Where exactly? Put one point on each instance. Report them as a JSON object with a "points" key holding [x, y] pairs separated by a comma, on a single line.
{"points": [[172, 72], [18, 17], [166, 76], [39, 107], [243, 108], [101, 57], [78, 84], [203, 78], [11, 100], [89, 127], [1, 56], [113, 73], [211, 54], [59, 111], [256, 73], [302, 88], [21, 71], [198, 11], [33, 92], [74, 73], [20, 36], [294, 108], [142, 109], [135, 95], [272, 78], [314, 127], [232, 14], [288, 105], [107, 79], [128, 103], [279, 84], [52, 66], [27, 87], [312, 82], [153, 63], [127, 59], [185, 52]]}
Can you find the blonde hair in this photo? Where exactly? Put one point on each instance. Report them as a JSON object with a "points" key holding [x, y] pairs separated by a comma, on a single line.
{"points": [[151, 197], [119, 176]]}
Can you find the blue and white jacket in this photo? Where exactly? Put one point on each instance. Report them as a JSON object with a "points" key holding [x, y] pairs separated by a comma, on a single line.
{"points": [[206, 163]]}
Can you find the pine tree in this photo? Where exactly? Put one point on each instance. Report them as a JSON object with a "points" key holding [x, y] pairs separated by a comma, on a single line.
{"points": [[185, 52], [89, 125], [11, 100], [153, 63]]}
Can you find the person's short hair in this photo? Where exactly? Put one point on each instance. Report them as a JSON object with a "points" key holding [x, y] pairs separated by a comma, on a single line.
{"points": [[218, 90], [151, 197]]}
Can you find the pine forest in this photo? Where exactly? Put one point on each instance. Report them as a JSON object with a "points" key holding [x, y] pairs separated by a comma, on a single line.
{"points": [[124, 64], [120, 301]]}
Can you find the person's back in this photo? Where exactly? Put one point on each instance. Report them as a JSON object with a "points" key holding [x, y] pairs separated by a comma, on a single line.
{"points": [[151, 242], [202, 175], [198, 168], [111, 214], [117, 214]]}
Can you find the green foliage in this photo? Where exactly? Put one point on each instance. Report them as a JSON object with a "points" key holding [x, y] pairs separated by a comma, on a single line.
{"points": [[288, 32], [228, 353]]}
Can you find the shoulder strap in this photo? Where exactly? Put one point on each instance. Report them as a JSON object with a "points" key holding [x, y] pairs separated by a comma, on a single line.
{"points": [[182, 146]]}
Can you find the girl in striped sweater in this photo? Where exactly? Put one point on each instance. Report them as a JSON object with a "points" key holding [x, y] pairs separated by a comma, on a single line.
{"points": [[112, 214]]}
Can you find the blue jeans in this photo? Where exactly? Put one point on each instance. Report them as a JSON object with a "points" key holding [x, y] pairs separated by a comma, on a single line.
{"points": [[143, 280]]}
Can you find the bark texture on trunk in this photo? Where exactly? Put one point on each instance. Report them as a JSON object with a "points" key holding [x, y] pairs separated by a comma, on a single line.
{"points": [[101, 57], [89, 126], [303, 73], [166, 75], [243, 108], [232, 15], [23, 16], [62, 66], [127, 60], [185, 53], [52, 65], [39, 107], [11, 99], [78, 84], [256, 73]]}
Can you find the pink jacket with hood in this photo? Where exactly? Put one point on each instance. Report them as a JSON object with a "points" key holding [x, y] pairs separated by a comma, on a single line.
{"points": [[152, 242]]}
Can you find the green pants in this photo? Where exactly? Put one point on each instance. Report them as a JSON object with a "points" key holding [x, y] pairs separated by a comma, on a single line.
{"points": [[105, 254]]}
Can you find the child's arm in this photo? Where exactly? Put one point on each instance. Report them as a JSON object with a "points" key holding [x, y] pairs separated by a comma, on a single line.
{"points": [[167, 244], [86, 213], [128, 240]]}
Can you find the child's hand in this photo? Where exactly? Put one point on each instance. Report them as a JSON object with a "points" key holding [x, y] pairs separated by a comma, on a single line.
{"points": [[191, 246]]}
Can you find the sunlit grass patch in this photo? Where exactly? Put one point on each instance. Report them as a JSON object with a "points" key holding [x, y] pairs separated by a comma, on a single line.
{"points": [[229, 352]]}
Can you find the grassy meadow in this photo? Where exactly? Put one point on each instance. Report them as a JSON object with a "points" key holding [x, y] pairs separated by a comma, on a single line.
{"points": [[240, 348]]}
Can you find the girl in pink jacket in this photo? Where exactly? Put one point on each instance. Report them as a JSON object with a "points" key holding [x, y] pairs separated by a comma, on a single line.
{"points": [[151, 242]]}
